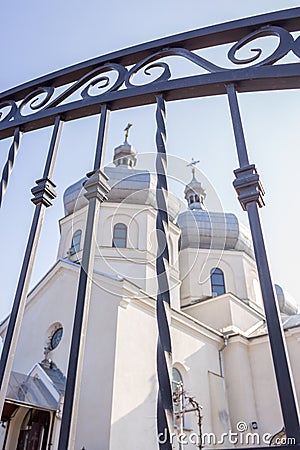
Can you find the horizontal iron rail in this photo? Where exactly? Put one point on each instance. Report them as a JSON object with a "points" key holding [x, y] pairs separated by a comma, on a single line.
{"points": [[251, 79], [192, 40]]}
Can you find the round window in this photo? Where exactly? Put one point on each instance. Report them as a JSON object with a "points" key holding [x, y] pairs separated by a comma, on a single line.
{"points": [[56, 338]]}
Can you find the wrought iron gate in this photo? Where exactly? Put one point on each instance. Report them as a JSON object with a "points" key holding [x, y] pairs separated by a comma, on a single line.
{"points": [[48, 108]]}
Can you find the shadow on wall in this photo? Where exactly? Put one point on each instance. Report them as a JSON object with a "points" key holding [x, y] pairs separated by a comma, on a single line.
{"points": [[137, 429]]}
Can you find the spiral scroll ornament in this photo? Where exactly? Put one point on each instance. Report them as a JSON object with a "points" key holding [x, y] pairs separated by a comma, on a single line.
{"points": [[35, 101], [126, 81], [9, 163], [5, 117], [164, 348], [285, 44]]}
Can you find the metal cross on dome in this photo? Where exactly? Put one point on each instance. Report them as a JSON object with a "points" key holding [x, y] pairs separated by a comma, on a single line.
{"points": [[126, 129], [192, 164]]}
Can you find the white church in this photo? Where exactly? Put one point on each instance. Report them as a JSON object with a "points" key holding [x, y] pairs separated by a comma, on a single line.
{"points": [[221, 355]]}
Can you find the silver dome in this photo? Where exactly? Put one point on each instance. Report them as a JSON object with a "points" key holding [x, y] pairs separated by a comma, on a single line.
{"points": [[127, 185], [204, 229], [287, 304]]}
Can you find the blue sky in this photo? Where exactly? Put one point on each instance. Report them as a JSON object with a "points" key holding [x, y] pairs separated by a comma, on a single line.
{"points": [[40, 38]]}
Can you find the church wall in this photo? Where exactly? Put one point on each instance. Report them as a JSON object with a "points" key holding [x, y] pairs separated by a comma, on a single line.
{"points": [[195, 268], [251, 384], [133, 419], [254, 287], [124, 262], [224, 311], [137, 261], [51, 302], [199, 357], [265, 389], [2, 435], [110, 215], [239, 382], [97, 381], [134, 403], [293, 342], [254, 297], [190, 263], [244, 318], [68, 225], [264, 381]]}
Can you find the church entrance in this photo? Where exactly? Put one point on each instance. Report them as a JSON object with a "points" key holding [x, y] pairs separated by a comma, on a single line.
{"points": [[34, 430]]}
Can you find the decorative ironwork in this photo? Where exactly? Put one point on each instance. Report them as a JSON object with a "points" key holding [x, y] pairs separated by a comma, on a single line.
{"points": [[43, 193], [96, 189], [250, 192], [165, 423], [12, 111], [285, 44], [9, 163], [42, 105], [185, 404], [34, 101], [248, 186]]}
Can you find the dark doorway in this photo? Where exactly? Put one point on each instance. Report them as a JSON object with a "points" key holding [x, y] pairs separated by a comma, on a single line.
{"points": [[34, 430]]}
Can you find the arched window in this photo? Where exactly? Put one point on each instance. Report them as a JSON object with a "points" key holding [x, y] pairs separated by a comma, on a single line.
{"points": [[217, 282], [120, 235], [75, 244], [178, 398], [176, 378]]}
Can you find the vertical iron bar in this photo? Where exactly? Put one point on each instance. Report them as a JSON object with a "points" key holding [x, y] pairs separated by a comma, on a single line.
{"points": [[101, 140], [9, 163], [43, 194], [165, 421], [250, 193], [96, 189]]}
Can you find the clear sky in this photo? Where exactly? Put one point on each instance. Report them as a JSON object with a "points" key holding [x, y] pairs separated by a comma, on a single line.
{"points": [[38, 38]]}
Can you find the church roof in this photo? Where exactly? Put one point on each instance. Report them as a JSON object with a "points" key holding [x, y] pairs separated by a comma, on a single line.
{"points": [[31, 391], [127, 185], [288, 322], [213, 230], [291, 321], [55, 374], [41, 388], [210, 230], [287, 304]]}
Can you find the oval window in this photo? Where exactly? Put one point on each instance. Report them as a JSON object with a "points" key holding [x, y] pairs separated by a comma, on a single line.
{"points": [[56, 338]]}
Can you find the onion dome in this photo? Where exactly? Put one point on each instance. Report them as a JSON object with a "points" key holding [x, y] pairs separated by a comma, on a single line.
{"points": [[73, 197], [287, 304], [210, 230], [128, 185]]}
